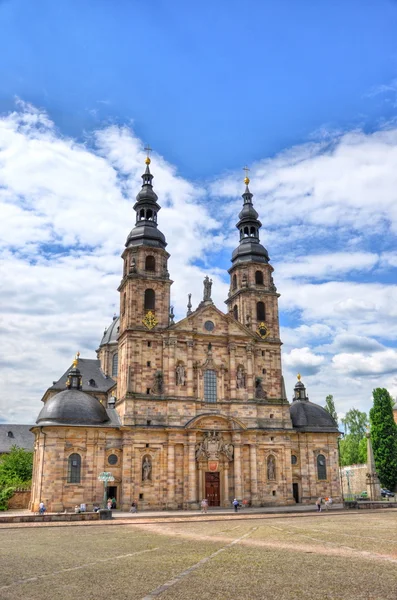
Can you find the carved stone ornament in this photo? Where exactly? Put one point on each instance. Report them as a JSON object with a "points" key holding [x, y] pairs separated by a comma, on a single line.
{"points": [[150, 320], [180, 374], [240, 378], [213, 446]]}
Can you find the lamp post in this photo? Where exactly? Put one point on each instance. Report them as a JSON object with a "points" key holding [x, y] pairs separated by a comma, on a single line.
{"points": [[105, 476]]}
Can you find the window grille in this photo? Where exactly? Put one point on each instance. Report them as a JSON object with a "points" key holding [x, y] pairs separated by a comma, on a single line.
{"points": [[74, 468], [115, 363], [210, 386], [321, 467]]}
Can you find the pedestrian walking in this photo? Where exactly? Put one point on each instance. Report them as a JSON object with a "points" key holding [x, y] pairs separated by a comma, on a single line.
{"points": [[42, 508], [204, 505], [318, 504], [235, 504], [109, 504], [134, 507], [328, 503]]}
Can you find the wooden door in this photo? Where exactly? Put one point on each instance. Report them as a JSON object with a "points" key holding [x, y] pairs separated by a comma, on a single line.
{"points": [[212, 489]]}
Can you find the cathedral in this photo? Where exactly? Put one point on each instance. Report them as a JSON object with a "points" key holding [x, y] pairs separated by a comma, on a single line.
{"points": [[178, 411]]}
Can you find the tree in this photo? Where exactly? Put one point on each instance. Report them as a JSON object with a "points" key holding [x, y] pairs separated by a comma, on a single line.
{"points": [[330, 407], [16, 468], [384, 437], [353, 447]]}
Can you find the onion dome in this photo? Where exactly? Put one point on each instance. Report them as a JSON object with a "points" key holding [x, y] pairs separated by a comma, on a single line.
{"points": [[307, 416], [145, 232], [72, 406], [111, 333], [250, 249]]}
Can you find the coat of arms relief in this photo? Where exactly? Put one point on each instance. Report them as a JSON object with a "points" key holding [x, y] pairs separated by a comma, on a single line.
{"points": [[213, 447]]}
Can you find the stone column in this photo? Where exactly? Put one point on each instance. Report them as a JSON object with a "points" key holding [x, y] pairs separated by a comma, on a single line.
{"points": [[250, 380], [238, 491], [200, 473], [171, 367], [192, 470], [190, 367], [254, 475], [226, 499], [171, 475], [232, 370]]}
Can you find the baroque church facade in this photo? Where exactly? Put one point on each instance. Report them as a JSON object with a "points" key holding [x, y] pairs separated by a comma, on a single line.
{"points": [[181, 411]]}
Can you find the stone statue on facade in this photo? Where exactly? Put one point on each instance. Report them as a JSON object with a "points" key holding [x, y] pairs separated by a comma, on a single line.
{"points": [[133, 265], [240, 377], [207, 289], [213, 446], [158, 384], [180, 373], [146, 469], [271, 468]]}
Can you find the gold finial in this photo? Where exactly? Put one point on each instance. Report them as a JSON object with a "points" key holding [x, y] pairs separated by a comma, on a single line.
{"points": [[148, 151], [299, 376], [246, 178]]}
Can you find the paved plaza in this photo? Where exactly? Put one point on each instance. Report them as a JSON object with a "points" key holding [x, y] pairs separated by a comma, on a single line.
{"points": [[341, 555]]}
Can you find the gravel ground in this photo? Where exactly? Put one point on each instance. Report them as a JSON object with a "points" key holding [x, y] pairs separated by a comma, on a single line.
{"points": [[321, 557]]}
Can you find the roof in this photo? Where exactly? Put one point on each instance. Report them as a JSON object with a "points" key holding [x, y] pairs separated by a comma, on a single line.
{"points": [[111, 334], [307, 416], [21, 437], [74, 407], [90, 370]]}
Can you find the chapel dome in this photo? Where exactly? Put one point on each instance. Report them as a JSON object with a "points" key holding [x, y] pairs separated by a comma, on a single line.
{"points": [[307, 415], [72, 407], [111, 333]]}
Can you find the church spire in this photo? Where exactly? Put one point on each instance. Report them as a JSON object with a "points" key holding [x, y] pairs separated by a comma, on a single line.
{"points": [[249, 249], [145, 232]]}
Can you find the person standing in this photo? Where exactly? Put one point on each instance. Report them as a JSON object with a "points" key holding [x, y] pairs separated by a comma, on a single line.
{"points": [[109, 504], [328, 503], [318, 504], [134, 507], [42, 508], [204, 505], [235, 504]]}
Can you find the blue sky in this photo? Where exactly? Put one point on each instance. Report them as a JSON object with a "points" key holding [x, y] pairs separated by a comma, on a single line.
{"points": [[305, 93]]}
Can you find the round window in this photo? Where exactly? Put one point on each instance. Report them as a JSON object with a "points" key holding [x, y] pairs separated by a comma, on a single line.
{"points": [[294, 459], [209, 326], [112, 459]]}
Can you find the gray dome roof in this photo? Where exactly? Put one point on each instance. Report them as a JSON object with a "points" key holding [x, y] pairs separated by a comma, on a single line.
{"points": [[111, 334], [72, 407], [308, 416]]}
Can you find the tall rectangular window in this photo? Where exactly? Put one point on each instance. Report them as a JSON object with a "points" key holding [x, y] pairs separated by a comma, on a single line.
{"points": [[210, 386]]}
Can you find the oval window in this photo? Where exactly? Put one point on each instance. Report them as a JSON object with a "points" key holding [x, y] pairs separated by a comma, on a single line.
{"points": [[209, 326], [112, 459]]}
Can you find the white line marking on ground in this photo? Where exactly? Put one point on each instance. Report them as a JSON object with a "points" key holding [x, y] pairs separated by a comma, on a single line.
{"points": [[67, 570], [165, 586]]}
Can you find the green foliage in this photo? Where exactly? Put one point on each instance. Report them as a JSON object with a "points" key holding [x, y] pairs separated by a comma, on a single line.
{"points": [[384, 437], [330, 407], [5, 495], [16, 468], [353, 447]]}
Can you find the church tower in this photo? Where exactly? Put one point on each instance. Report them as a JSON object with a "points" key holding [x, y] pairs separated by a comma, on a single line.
{"points": [[145, 286], [253, 297]]}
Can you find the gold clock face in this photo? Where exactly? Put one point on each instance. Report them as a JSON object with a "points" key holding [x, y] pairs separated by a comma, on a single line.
{"points": [[150, 320], [262, 330]]}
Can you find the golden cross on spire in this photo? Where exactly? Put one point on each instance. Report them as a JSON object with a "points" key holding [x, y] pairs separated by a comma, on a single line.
{"points": [[246, 178], [148, 151]]}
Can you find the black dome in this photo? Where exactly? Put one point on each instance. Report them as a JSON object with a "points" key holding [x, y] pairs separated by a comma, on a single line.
{"points": [[311, 417], [72, 407]]}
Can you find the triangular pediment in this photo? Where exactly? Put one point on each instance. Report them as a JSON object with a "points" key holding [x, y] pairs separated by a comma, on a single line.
{"points": [[224, 324]]}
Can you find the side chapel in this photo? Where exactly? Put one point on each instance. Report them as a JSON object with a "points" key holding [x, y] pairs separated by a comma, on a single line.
{"points": [[181, 411]]}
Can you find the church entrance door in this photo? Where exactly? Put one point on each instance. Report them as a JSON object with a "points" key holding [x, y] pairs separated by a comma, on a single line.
{"points": [[295, 491], [212, 489]]}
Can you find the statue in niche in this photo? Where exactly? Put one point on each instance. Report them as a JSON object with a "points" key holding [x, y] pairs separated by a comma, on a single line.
{"points": [[180, 374], [158, 386], [240, 377], [147, 469], [133, 265], [207, 289], [260, 393], [271, 468]]}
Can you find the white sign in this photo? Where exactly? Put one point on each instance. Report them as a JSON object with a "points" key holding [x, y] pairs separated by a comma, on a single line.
{"points": [[105, 476]]}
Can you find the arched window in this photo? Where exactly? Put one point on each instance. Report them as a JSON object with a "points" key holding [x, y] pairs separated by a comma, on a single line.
{"points": [[142, 214], [150, 300], [235, 312], [246, 231], [74, 468], [253, 232], [234, 282], [258, 277], [115, 364], [321, 467], [149, 214], [150, 263], [210, 386], [260, 311]]}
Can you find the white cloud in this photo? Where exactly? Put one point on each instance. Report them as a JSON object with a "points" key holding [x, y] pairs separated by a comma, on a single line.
{"points": [[304, 360]]}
